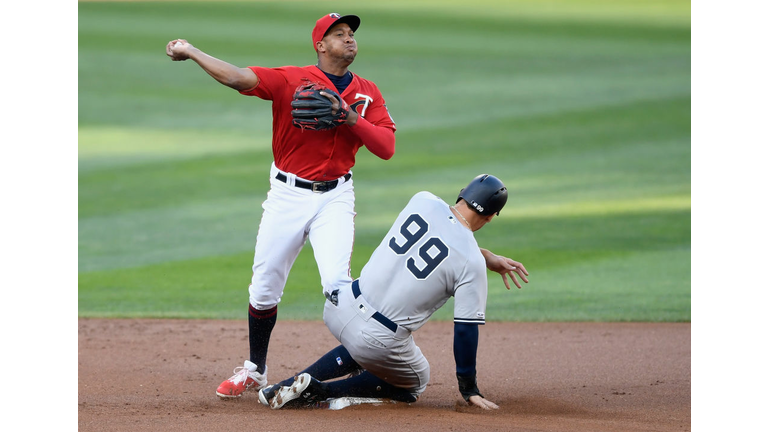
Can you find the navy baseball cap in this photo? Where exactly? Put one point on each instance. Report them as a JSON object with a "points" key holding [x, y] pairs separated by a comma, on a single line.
{"points": [[323, 24]]}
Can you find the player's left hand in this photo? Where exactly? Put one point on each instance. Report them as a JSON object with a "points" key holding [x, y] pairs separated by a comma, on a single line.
{"points": [[482, 402], [506, 266]]}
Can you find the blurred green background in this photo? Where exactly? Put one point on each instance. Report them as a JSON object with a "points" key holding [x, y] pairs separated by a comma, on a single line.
{"points": [[583, 109]]}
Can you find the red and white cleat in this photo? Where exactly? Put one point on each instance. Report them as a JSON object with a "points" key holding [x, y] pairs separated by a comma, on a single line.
{"points": [[245, 378]]}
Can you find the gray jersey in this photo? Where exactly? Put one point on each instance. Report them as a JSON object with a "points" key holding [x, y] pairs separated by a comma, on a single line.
{"points": [[425, 258]]}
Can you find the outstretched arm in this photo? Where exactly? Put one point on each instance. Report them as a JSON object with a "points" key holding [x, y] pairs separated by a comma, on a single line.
{"points": [[223, 72], [465, 338], [505, 266]]}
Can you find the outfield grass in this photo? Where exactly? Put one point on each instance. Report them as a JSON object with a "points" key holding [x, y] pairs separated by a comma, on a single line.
{"points": [[581, 107]]}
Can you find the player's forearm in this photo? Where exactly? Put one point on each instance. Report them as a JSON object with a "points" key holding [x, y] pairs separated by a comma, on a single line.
{"points": [[465, 340], [223, 72], [379, 140], [488, 255], [491, 259]]}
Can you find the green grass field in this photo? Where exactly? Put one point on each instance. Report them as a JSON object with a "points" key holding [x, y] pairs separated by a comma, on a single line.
{"points": [[583, 108]]}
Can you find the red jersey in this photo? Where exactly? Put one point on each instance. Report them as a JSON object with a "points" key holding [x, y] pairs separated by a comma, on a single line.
{"points": [[316, 155]]}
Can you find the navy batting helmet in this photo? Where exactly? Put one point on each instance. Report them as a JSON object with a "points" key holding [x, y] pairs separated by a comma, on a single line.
{"points": [[485, 193]]}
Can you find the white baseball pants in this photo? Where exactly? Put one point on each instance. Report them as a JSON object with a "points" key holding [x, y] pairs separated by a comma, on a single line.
{"points": [[291, 215]]}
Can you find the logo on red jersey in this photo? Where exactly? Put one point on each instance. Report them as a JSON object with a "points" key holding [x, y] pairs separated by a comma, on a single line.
{"points": [[365, 102]]}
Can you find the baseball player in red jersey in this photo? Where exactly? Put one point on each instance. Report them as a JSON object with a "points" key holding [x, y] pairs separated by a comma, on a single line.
{"points": [[311, 192]]}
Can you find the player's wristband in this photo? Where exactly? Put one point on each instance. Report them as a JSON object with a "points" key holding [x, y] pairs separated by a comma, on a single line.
{"points": [[468, 386]]}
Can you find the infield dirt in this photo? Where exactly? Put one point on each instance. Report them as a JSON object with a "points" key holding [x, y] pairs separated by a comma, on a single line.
{"points": [[141, 374]]}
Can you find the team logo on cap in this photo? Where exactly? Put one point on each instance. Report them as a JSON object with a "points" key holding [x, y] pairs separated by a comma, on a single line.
{"points": [[334, 15]]}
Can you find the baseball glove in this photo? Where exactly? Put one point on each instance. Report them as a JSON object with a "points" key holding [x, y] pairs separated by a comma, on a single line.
{"points": [[313, 111]]}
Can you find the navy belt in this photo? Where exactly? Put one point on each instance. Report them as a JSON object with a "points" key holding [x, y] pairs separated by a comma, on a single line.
{"points": [[377, 316], [318, 186]]}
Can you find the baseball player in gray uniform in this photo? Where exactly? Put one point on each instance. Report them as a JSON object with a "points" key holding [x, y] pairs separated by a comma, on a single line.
{"points": [[429, 255]]}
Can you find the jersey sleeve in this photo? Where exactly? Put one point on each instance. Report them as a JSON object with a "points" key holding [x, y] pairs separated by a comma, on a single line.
{"points": [[471, 296], [379, 114], [271, 82]]}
